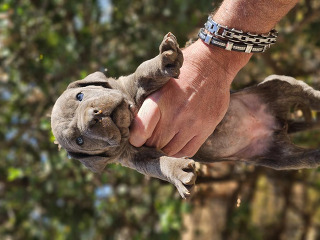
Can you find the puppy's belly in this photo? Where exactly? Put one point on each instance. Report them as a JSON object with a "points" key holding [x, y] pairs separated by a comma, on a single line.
{"points": [[246, 130]]}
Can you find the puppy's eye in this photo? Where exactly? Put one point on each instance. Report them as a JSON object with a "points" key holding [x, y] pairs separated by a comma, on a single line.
{"points": [[79, 141], [79, 96]]}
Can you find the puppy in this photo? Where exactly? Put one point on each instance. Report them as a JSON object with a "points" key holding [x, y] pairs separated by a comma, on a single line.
{"points": [[91, 120]]}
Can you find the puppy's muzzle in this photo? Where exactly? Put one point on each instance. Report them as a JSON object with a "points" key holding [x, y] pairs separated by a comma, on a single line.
{"points": [[108, 122], [121, 114]]}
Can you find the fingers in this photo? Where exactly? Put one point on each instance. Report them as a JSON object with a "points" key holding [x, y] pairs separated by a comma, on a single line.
{"points": [[159, 138], [177, 142], [144, 123], [192, 147], [182, 145]]}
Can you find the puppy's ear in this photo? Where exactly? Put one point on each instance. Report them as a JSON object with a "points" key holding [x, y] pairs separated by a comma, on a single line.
{"points": [[94, 163], [96, 79]]}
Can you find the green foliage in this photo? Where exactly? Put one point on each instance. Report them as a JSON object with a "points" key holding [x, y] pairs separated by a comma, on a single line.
{"points": [[44, 45], [14, 173]]}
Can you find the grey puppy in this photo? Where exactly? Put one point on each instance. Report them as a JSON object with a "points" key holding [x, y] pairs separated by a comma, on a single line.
{"points": [[91, 120]]}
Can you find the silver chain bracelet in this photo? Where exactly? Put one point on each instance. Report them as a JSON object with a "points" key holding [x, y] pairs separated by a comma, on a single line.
{"points": [[236, 40]]}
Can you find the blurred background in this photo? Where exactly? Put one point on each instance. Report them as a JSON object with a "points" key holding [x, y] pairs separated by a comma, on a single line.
{"points": [[46, 44]]}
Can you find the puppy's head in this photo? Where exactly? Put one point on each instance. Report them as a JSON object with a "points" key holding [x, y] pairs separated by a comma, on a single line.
{"points": [[91, 119]]}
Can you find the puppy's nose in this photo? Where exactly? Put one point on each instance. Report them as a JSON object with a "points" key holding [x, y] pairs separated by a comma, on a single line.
{"points": [[93, 115], [97, 112]]}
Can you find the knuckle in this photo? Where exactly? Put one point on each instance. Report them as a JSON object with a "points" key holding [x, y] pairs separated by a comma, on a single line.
{"points": [[168, 151], [188, 151]]}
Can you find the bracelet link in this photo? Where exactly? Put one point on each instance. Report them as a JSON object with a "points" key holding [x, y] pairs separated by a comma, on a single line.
{"points": [[249, 48], [229, 46], [227, 34], [208, 38]]}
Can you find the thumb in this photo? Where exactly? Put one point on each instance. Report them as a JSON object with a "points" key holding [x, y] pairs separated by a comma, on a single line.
{"points": [[144, 122]]}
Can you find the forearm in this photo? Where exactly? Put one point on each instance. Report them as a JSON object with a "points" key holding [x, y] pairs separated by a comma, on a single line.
{"points": [[255, 16]]}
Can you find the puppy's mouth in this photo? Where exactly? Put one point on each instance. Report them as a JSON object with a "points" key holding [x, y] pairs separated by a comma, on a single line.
{"points": [[105, 125], [120, 117]]}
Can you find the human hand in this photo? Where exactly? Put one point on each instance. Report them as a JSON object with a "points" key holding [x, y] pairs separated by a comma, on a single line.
{"points": [[180, 116]]}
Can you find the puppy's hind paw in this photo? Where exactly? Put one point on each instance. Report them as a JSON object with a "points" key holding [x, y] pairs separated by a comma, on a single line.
{"points": [[171, 56]]}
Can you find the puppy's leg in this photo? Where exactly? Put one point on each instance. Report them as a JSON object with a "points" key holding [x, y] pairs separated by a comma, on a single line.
{"points": [[284, 93], [154, 73], [178, 171], [284, 155], [281, 94], [150, 162]]}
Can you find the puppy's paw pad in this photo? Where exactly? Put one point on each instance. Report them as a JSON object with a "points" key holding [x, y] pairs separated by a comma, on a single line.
{"points": [[169, 42], [171, 56]]}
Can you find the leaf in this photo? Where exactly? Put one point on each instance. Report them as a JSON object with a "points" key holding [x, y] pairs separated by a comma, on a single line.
{"points": [[14, 173], [4, 7]]}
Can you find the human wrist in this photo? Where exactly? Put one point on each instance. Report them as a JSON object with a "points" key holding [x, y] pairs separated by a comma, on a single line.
{"points": [[208, 60], [238, 26]]}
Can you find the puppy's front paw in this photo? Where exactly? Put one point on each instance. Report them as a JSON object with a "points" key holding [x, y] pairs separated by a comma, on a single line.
{"points": [[171, 56], [181, 172], [185, 178]]}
